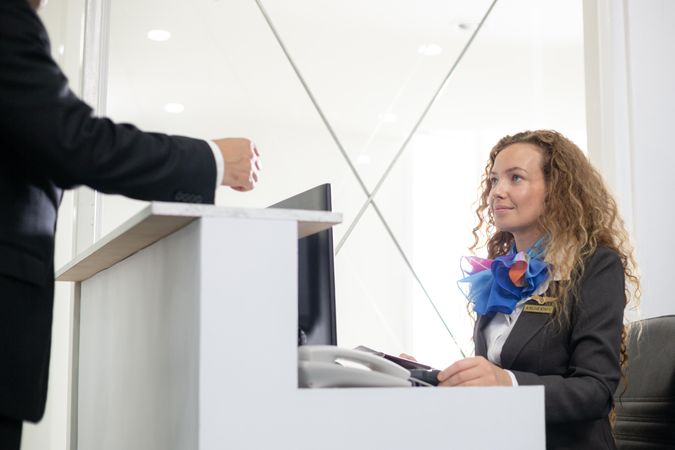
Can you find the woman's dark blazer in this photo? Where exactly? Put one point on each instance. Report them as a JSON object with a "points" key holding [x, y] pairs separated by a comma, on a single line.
{"points": [[49, 141], [578, 365]]}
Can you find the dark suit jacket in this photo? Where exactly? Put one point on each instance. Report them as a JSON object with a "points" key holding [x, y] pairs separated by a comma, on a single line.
{"points": [[578, 365], [50, 141]]}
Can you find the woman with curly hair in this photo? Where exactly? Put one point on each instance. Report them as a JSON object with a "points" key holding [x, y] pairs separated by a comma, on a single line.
{"points": [[550, 297]]}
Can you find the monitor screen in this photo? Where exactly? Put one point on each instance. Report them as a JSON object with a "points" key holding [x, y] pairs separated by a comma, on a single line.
{"points": [[316, 280]]}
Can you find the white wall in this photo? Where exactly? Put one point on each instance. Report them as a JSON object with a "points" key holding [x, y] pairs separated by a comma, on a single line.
{"points": [[631, 111], [651, 46]]}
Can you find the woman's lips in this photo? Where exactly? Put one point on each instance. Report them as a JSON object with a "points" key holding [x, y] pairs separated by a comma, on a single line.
{"points": [[501, 209]]}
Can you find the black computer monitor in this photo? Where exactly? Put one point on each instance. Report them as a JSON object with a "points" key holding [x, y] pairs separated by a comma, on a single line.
{"points": [[316, 279]]}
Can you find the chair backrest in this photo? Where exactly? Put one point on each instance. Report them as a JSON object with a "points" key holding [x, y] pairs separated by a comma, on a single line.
{"points": [[645, 410]]}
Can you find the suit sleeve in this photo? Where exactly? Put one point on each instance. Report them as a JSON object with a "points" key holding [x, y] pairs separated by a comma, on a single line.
{"points": [[586, 391], [45, 127]]}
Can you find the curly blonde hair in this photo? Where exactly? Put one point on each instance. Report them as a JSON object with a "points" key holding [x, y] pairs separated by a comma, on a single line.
{"points": [[579, 216]]}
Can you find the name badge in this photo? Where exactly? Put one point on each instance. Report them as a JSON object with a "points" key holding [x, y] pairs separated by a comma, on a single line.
{"points": [[541, 309]]}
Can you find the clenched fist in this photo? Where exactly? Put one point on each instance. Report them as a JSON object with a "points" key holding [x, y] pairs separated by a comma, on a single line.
{"points": [[241, 163]]}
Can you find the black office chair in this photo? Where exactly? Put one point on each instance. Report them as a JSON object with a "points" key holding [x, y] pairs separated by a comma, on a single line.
{"points": [[645, 413]]}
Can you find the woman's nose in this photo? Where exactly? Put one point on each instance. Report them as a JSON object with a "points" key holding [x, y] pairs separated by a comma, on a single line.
{"points": [[497, 190]]}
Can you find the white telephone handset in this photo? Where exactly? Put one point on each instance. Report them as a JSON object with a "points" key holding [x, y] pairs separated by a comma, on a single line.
{"points": [[319, 367]]}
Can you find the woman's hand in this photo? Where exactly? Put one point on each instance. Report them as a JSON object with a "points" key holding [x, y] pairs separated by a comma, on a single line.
{"points": [[474, 371]]}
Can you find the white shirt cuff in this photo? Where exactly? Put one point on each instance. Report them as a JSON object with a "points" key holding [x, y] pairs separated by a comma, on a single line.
{"points": [[220, 164], [514, 382]]}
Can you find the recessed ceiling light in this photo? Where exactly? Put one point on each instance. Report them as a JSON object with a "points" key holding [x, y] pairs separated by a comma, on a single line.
{"points": [[159, 35], [429, 49], [174, 108], [388, 117], [363, 159]]}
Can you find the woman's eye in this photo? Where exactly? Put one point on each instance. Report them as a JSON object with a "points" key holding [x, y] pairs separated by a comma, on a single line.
{"points": [[493, 181], [516, 178]]}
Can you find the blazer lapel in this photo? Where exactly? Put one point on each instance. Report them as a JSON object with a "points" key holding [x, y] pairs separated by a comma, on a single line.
{"points": [[526, 327], [478, 336]]}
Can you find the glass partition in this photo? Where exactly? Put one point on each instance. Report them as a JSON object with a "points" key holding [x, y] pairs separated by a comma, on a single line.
{"points": [[395, 103]]}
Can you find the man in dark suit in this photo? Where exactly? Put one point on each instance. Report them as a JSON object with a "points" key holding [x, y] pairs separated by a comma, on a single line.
{"points": [[50, 141]]}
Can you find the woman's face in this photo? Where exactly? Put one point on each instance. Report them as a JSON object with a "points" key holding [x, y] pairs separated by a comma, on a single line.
{"points": [[517, 192]]}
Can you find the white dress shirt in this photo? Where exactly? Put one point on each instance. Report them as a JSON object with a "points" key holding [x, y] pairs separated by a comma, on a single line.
{"points": [[220, 164]]}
